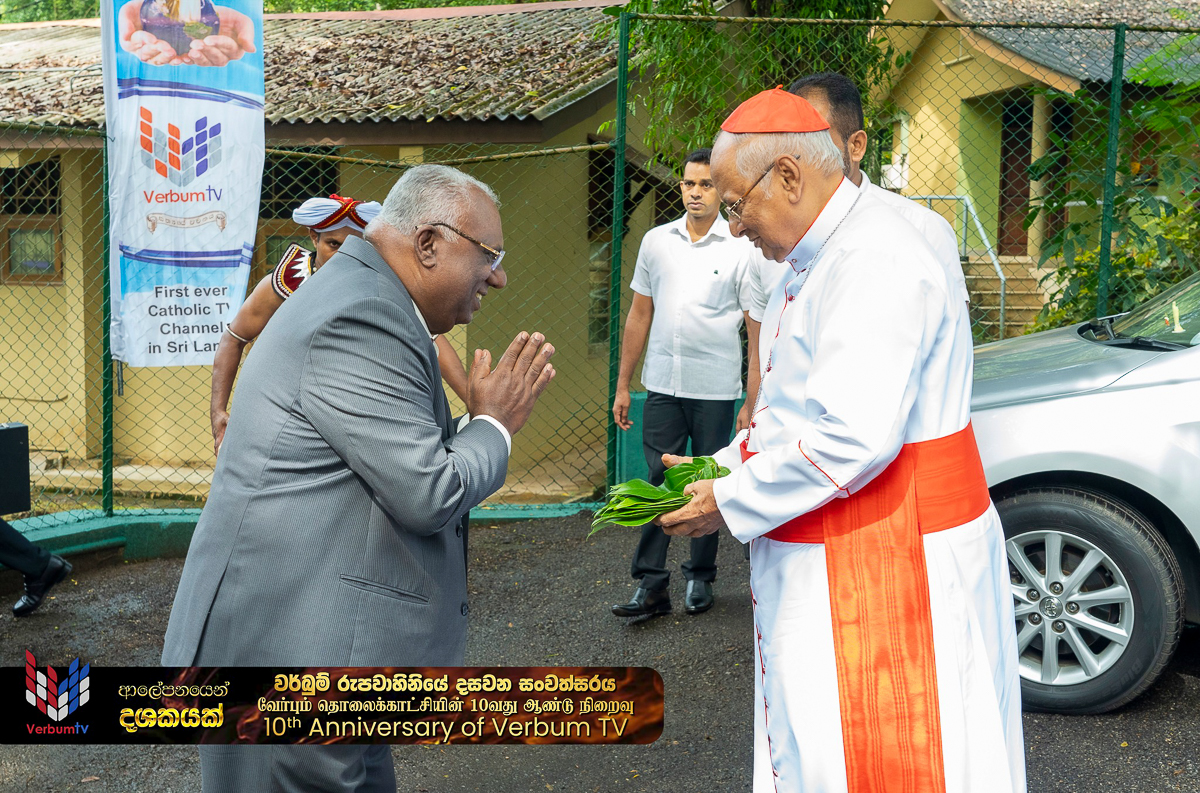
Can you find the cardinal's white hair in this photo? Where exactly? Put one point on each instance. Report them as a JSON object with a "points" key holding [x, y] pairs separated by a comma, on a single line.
{"points": [[754, 152]]}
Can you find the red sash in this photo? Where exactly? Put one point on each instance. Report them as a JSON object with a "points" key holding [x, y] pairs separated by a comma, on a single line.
{"points": [[879, 597]]}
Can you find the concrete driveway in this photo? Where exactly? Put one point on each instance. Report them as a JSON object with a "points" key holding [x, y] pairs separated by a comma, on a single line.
{"points": [[540, 596]]}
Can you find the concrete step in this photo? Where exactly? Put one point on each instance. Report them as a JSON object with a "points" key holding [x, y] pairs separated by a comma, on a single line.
{"points": [[1012, 299], [44, 461], [1011, 312], [1015, 267], [1005, 261], [1009, 275], [1012, 286], [987, 329]]}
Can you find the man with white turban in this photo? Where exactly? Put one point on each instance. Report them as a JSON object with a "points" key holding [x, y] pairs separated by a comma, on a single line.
{"points": [[329, 222], [885, 642]]}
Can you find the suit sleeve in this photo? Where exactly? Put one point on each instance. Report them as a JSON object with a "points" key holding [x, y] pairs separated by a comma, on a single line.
{"points": [[367, 391], [872, 332]]}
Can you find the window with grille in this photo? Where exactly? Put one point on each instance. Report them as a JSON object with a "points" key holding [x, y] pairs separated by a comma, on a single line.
{"points": [[30, 229], [288, 181]]}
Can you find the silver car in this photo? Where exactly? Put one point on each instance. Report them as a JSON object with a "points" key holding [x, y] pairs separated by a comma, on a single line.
{"points": [[1090, 438]]}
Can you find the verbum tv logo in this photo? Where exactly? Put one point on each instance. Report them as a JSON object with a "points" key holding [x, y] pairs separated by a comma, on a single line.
{"points": [[175, 158], [56, 697]]}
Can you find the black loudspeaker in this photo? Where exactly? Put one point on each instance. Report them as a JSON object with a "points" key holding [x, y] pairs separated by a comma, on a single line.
{"points": [[14, 468]]}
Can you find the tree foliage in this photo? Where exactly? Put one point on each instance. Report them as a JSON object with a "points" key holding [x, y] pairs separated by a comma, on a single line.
{"points": [[1157, 188], [691, 74], [40, 10]]}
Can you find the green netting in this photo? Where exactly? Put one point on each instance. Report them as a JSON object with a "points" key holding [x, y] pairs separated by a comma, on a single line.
{"points": [[556, 207], [1065, 204]]}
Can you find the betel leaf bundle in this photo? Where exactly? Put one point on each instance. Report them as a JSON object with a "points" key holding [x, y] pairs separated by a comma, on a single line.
{"points": [[682, 475], [636, 502]]}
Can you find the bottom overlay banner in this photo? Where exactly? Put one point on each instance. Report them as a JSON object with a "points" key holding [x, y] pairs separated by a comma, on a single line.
{"points": [[252, 705]]}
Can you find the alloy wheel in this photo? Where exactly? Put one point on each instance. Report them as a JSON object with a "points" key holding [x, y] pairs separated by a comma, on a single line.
{"points": [[1074, 608]]}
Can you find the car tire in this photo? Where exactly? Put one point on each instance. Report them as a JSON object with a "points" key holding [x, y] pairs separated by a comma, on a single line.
{"points": [[1130, 543]]}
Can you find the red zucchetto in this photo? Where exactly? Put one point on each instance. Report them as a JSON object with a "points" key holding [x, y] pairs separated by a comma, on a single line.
{"points": [[775, 110]]}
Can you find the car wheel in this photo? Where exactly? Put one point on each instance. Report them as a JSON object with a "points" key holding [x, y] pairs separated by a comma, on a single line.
{"points": [[1098, 596]]}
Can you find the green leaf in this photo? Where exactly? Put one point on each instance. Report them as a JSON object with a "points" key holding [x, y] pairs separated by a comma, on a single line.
{"points": [[637, 487], [637, 502]]}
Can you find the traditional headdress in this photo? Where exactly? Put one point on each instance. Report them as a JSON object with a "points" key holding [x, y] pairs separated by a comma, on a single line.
{"points": [[327, 214], [775, 110]]}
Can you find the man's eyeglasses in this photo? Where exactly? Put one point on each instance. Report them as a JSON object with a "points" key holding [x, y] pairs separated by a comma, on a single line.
{"points": [[495, 256], [735, 209]]}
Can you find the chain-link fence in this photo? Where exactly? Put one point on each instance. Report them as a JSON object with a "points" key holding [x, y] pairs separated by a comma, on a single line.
{"points": [[113, 438], [1064, 157]]}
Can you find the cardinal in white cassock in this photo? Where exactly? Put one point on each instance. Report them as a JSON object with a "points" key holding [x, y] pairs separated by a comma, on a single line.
{"points": [[885, 642]]}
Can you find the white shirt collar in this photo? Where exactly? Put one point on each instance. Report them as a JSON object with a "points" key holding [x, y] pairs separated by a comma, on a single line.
{"points": [[823, 227], [719, 228]]}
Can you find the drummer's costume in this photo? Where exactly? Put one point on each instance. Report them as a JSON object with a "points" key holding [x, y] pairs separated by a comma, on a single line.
{"points": [[297, 265], [318, 215], [885, 643], [294, 268]]}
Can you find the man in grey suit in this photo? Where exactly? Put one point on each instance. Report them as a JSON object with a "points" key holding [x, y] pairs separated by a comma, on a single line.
{"points": [[335, 529]]}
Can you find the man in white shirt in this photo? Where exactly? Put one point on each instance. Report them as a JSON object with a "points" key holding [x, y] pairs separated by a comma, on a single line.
{"points": [[690, 295]]}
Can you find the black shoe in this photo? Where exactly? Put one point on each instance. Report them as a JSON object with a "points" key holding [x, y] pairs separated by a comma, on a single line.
{"points": [[699, 597], [645, 604], [36, 588]]}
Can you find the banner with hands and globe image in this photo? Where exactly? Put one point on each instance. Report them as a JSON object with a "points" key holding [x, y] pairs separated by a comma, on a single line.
{"points": [[183, 83]]}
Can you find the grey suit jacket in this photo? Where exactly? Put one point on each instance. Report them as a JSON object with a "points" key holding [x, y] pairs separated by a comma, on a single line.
{"points": [[334, 529]]}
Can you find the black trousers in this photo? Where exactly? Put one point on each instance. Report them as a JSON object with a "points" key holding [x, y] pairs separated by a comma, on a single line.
{"points": [[18, 553], [667, 424]]}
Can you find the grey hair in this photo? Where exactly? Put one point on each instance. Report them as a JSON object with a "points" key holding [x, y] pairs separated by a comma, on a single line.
{"points": [[430, 194], [755, 152]]}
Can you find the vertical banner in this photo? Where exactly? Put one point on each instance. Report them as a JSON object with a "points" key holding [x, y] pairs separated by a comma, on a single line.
{"points": [[183, 96]]}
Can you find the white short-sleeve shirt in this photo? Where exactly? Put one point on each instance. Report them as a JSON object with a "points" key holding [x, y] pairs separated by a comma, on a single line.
{"points": [[765, 274], [700, 290], [936, 230]]}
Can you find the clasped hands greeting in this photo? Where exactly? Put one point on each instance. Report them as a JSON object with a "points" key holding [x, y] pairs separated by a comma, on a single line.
{"points": [[508, 392], [699, 516], [234, 39]]}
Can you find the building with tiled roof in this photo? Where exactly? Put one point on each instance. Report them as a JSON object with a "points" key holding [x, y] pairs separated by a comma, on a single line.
{"points": [[522, 72], [973, 106], [1081, 54]]}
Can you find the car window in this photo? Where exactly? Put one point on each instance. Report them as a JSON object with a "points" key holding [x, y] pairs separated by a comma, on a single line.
{"points": [[1172, 316]]}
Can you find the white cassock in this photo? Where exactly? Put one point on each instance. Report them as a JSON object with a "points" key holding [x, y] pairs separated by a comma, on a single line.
{"points": [[868, 381]]}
